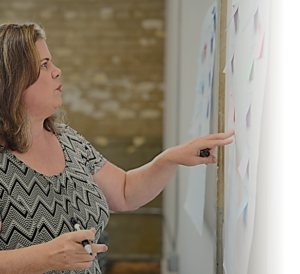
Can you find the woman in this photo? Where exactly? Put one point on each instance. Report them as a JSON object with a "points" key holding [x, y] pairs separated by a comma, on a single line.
{"points": [[49, 173]]}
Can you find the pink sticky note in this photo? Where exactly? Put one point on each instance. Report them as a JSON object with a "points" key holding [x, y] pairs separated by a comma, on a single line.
{"points": [[232, 110], [259, 41]]}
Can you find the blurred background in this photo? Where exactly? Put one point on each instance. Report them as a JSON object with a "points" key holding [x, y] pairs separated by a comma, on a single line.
{"points": [[111, 55]]}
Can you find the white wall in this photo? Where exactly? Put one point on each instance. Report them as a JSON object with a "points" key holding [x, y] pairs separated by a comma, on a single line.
{"points": [[183, 27]]}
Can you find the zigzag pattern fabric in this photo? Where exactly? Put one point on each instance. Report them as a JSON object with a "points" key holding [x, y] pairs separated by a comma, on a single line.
{"points": [[35, 208]]}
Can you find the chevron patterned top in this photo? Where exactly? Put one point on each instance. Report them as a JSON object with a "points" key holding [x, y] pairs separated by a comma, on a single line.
{"points": [[35, 208]]}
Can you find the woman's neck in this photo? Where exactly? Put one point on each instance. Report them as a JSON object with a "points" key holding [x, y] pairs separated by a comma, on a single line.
{"points": [[40, 135], [37, 127]]}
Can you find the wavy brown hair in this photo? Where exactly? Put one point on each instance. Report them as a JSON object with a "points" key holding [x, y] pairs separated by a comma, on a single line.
{"points": [[19, 69]]}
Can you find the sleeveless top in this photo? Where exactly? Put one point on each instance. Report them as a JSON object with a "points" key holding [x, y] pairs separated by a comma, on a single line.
{"points": [[35, 208]]}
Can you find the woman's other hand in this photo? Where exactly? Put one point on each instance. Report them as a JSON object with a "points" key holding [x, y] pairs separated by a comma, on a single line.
{"points": [[188, 154], [67, 253]]}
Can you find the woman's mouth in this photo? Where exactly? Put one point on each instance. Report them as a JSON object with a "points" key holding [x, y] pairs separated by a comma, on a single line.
{"points": [[59, 88]]}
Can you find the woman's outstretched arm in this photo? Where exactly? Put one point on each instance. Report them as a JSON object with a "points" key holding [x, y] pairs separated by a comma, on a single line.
{"points": [[127, 191]]}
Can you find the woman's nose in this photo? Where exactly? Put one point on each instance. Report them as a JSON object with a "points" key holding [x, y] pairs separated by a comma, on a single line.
{"points": [[56, 73]]}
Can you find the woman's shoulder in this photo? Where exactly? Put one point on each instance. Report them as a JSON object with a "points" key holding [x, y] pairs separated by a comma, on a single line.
{"points": [[67, 131]]}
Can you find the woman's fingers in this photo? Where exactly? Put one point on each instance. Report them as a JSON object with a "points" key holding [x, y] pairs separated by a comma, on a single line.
{"points": [[83, 256], [83, 260], [68, 252], [82, 235], [220, 136], [214, 140], [79, 236], [212, 150], [96, 248], [212, 159], [188, 154], [216, 143]]}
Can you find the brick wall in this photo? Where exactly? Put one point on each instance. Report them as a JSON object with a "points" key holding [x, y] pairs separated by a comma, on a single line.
{"points": [[111, 56]]}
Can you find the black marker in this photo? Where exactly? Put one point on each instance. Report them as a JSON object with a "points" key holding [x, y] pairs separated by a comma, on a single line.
{"points": [[204, 152], [85, 243]]}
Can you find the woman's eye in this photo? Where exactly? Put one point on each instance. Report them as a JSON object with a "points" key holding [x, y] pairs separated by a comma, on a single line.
{"points": [[44, 65]]}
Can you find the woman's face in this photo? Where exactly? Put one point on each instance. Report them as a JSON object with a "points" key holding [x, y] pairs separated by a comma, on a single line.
{"points": [[44, 96]]}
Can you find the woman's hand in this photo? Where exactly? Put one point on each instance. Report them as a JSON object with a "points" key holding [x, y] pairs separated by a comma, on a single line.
{"points": [[67, 253], [188, 154]]}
